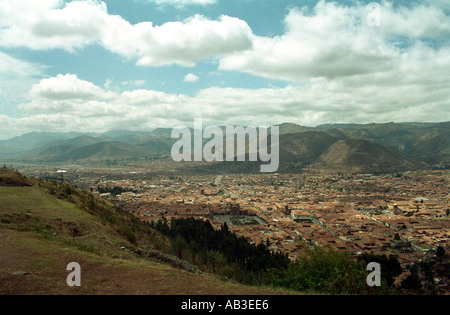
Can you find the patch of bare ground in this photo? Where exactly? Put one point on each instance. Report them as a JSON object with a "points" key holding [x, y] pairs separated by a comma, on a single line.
{"points": [[45, 266]]}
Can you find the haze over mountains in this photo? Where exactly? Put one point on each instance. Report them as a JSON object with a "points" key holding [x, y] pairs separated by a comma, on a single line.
{"points": [[355, 148]]}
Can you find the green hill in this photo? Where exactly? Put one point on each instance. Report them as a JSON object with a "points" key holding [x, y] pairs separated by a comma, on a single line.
{"points": [[93, 152], [47, 225], [364, 156], [305, 147]]}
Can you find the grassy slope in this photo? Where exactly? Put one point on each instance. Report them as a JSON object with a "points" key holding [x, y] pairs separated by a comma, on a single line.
{"points": [[42, 229]]}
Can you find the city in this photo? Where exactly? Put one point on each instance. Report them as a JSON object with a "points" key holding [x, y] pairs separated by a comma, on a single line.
{"points": [[404, 214]]}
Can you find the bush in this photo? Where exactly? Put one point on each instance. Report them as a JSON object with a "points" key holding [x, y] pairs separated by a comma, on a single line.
{"points": [[323, 270]]}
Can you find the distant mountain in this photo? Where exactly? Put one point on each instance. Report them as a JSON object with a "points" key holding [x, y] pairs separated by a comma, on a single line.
{"points": [[32, 141], [76, 142], [339, 133], [305, 147], [161, 132], [287, 128], [364, 156], [390, 146], [130, 137], [434, 149], [158, 145], [320, 150], [427, 141], [108, 150]]}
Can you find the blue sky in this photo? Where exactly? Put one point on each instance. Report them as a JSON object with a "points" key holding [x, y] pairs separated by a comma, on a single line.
{"points": [[91, 65]]}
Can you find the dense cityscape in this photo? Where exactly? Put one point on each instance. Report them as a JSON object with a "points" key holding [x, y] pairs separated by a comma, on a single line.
{"points": [[404, 214]]}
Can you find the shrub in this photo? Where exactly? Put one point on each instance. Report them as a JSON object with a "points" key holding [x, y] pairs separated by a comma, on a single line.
{"points": [[323, 270]]}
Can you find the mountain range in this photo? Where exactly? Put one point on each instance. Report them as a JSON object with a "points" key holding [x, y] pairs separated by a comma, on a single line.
{"points": [[373, 147]]}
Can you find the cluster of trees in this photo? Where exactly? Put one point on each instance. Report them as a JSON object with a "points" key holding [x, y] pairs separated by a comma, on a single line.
{"points": [[317, 270], [221, 251]]}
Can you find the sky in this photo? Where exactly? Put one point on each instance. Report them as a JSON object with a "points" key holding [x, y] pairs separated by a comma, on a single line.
{"points": [[95, 66]]}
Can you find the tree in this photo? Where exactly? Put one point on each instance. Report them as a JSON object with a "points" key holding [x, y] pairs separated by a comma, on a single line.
{"points": [[225, 227], [390, 266], [440, 252], [216, 260], [179, 246], [221, 248], [412, 282], [427, 269], [195, 250]]}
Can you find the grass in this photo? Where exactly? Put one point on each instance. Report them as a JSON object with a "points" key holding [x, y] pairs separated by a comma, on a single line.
{"points": [[45, 262], [33, 209], [46, 226]]}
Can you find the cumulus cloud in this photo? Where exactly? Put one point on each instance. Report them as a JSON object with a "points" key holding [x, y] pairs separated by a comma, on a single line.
{"points": [[427, 20], [334, 40], [322, 101], [76, 24], [192, 40], [66, 87], [191, 78], [50, 24]]}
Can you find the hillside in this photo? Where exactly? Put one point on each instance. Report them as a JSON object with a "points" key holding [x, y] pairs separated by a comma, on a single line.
{"points": [[93, 152], [435, 148], [13, 179], [305, 147], [365, 156], [426, 141], [45, 226], [288, 128]]}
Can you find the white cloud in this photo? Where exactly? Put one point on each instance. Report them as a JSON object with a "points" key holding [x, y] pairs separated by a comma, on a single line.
{"points": [[335, 41], [347, 100], [16, 76], [50, 24], [16, 68], [134, 83], [66, 87], [191, 78], [76, 24], [183, 3], [192, 40], [420, 21]]}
